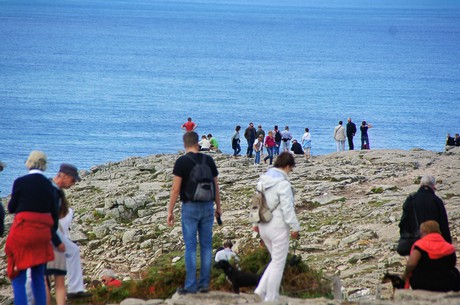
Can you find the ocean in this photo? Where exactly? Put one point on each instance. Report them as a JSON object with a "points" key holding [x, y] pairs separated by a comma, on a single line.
{"points": [[90, 82]]}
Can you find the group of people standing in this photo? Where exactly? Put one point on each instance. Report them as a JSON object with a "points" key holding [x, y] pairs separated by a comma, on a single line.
{"points": [[342, 133], [274, 142]]}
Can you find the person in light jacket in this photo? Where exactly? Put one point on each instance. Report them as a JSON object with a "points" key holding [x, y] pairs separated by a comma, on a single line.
{"points": [[284, 224], [340, 136]]}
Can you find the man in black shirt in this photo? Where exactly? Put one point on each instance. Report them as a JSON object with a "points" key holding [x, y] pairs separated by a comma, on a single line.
{"points": [[197, 216]]}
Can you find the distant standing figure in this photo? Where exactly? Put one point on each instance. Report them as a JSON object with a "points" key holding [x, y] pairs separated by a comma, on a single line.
{"points": [[259, 132], [197, 216], [33, 232], [296, 148], [432, 260], [109, 280], [340, 136], [457, 139], [422, 206], [286, 138], [250, 135], [258, 144], [236, 141], [284, 225], [351, 131], [2, 210], [277, 136], [189, 125], [269, 144], [306, 143], [2, 220], [364, 136]]}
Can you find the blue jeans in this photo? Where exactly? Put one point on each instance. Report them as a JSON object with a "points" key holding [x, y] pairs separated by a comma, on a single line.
{"points": [[270, 155], [257, 159], [276, 149], [38, 286], [250, 148], [197, 217], [237, 150]]}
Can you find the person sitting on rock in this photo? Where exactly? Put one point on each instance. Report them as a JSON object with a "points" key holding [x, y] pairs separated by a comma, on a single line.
{"points": [[205, 145], [214, 143], [450, 142], [226, 253], [297, 148], [108, 278], [431, 264]]}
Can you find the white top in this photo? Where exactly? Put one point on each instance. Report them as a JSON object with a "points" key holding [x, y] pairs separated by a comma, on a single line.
{"points": [[226, 254]]}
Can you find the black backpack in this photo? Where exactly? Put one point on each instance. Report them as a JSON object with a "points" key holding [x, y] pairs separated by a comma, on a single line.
{"points": [[200, 185], [277, 136]]}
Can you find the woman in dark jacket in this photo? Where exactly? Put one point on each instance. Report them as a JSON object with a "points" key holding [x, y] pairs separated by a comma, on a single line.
{"points": [[34, 201]]}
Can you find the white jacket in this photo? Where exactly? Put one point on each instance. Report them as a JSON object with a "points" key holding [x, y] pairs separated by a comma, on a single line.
{"points": [[278, 193], [339, 133]]}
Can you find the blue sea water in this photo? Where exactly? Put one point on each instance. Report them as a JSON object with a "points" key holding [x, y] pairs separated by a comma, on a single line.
{"points": [[95, 81]]}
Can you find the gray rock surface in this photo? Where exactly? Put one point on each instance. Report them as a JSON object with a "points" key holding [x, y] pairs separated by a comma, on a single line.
{"points": [[349, 205]]}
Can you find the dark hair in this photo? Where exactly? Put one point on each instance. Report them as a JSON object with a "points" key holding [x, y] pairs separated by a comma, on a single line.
{"points": [[228, 243], [209, 135], [307, 130], [340, 122], [238, 127], [190, 139], [64, 208], [276, 127], [284, 159], [363, 123]]}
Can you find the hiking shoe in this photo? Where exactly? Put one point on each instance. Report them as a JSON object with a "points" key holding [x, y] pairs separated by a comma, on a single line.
{"points": [[183, 291], [203, 290]]}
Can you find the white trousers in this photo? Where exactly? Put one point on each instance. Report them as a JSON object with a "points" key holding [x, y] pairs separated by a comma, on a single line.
{"points": [[74, 270], [276, 240], [340, 145]]}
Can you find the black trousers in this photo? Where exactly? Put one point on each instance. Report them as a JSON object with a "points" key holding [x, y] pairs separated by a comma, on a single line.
{"points": [[350, 142]]}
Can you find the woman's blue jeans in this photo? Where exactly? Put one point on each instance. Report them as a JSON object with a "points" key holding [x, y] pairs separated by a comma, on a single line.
{"points": [[197, 218], [270, 155], [237, 150]]}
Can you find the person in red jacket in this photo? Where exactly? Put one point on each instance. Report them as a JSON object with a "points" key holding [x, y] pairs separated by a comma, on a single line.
{"points": [[432, 260], [269, 144], [28, 245], [109, 280]]}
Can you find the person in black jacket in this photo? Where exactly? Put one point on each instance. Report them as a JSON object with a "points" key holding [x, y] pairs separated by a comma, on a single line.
{"points": [[351, 131], [425, 205]]}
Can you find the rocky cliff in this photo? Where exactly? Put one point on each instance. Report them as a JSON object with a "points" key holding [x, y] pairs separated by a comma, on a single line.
{"points": [[349, 205]]}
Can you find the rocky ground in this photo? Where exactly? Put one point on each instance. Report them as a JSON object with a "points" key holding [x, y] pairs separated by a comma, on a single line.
{"points": [[349, 205]]}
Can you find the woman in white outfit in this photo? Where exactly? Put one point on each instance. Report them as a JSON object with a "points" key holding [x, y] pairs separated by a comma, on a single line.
{"points": [[275, 234], [340, 136]]}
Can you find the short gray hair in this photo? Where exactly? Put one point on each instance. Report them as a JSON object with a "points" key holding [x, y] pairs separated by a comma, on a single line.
{"points": [[108, 273], [429, 181]]}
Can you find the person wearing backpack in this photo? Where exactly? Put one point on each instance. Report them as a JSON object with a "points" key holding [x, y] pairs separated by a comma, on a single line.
{"points": [[195, 181], [279, 197]]}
